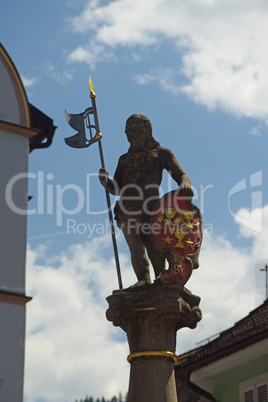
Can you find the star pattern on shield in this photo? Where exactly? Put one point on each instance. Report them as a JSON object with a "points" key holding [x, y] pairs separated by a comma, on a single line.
{"points": [[190, 243], [189, 225], [180, 219], [160, 218], [167, 239]]}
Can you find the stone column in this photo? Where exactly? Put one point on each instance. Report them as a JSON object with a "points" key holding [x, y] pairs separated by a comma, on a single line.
{"points": [[151, 316]]}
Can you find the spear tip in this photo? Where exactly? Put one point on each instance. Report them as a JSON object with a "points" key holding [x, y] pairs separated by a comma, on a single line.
{"points": [[91, 88]]}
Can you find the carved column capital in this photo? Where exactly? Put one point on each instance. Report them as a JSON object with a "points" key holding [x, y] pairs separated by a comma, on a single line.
{"points": [[151, 316]]}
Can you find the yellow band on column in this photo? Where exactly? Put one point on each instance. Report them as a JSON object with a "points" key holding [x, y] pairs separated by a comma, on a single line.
{"points": [[150, 353]]}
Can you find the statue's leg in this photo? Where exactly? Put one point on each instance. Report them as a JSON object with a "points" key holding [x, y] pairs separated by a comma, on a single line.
{"points": [[157, 260], [139, 259]]}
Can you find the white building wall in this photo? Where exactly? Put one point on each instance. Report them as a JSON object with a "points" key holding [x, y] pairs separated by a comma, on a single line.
{"points": [[13, 162], [9, 105], [11, 352], [14, 116]]}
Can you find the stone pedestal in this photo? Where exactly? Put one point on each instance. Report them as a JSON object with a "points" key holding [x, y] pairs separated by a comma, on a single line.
{"points": [[151, 316]]}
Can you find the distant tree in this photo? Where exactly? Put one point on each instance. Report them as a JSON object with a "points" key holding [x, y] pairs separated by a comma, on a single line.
{"points": [[114, 399], [86, 399]]}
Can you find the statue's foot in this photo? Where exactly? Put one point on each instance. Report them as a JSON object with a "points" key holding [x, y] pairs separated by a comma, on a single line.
{"points": [[143, 282]]}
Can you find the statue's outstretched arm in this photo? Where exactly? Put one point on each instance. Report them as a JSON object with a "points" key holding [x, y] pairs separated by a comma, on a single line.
{"points": [[176, 171]]}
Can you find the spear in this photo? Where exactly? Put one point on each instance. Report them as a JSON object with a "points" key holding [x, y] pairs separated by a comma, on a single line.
{"points": [[79, 140]]}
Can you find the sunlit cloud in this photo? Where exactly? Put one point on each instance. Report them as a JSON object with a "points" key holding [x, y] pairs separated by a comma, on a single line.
{"points": [[91, 54], [166, 78], [68, 336], [221, 44], [28, 81]]}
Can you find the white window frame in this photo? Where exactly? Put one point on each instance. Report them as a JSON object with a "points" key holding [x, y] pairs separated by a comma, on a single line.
{"points": [[252, 385]]}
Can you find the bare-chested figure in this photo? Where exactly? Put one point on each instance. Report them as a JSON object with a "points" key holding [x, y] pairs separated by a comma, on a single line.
{"points": [[136, 180]]}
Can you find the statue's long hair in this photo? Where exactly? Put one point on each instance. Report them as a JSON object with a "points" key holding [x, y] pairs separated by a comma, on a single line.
{"points": [[139, 121]]}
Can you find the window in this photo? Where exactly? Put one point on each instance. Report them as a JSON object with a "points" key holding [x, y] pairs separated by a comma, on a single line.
{"points": [[254, 390]]}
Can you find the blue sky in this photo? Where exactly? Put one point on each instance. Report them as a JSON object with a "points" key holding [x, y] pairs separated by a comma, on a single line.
{"points": [[198, 70]]}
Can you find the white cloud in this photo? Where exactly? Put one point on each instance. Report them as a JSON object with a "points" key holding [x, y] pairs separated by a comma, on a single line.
{"points": [[259, 240], [80, 54], [251, 222], [136, 56], [28, 81], [255, 131], [61, 77], [165, 77], [225, 282], [71, 347], [92, 54], [222, 44], [259, 128]]}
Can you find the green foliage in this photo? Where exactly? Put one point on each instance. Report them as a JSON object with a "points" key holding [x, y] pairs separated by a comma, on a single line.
{"points": [[114, 399]]}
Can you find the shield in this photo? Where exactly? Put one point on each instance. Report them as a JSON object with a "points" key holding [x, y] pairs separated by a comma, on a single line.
{"points": [[177, 235]]}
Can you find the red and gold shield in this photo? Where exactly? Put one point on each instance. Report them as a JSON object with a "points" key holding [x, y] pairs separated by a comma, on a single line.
{"points": [[178, 236]]}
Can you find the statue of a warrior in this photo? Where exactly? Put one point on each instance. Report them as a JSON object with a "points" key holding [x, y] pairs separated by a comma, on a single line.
{"points": [[167, 228]]}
